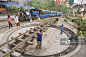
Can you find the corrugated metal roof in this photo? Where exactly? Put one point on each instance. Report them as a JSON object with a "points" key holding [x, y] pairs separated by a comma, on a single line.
{"points": [[15, 4]]}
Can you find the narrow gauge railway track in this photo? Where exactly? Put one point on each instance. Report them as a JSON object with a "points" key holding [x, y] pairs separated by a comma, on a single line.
{"points": [[15, 29], [4, 26], [68, 50], [25, 40], [22, 42], [7, 25]]}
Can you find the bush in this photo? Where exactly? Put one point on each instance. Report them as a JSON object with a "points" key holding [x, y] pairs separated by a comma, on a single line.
{"points": [[13, 9], [27, 9], [6, 7], [65, 20], [77, 21], [74, 26], [70, 20], [76, 15], [84, 35]]}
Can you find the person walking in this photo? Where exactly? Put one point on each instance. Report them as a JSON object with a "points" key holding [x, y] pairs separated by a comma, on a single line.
{"points": [[62, 28], [30, 19], [39, 40], [38, 17], [79, 33], [9, 21], [16, 20]]}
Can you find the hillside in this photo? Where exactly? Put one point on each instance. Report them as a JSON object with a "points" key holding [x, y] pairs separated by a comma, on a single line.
{"points": [[49, 5]]}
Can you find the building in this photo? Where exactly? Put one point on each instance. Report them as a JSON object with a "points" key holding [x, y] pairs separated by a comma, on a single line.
{"points": [[67, 4], [58, 2], [62, 2], [55, 0], [3, 0], [80, 10], [80, 2]]}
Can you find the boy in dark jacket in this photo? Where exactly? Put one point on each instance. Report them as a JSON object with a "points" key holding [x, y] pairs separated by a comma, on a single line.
{"points": [[39, 40]]}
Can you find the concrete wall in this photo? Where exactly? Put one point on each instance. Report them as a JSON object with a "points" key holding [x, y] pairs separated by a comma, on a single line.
{"points": [[84, 15], [58, 2], [3, 0], [75, 17]]}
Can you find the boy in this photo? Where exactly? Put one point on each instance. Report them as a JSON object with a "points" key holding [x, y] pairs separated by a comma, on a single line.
{"points": [[39, 40], [79, 33], [62, 28]]}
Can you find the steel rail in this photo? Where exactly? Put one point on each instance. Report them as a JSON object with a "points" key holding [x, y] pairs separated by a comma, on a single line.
{"points": [[45, 23]]}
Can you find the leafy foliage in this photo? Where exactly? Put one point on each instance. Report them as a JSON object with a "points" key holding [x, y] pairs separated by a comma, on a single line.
{"points": [[6, 7], [67, 0], [49, 5], [82, 26], [65, 20], [13, 9]]}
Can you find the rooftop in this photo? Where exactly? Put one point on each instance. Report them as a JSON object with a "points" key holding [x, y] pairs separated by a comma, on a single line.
{"points": [[79, 6]]}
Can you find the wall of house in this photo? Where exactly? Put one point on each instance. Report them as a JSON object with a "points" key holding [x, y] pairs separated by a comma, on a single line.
{"points": [[3, 0], [77, 12], [84, 14], [58, 2]]}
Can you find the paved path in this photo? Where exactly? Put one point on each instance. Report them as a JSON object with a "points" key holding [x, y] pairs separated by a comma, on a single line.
{"points": [[82, 51], [61, 21]]}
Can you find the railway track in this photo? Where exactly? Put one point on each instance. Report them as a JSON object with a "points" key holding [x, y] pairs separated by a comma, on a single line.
{"points": [[24, 40], [19, 44], [68, 50], [5, 26]]}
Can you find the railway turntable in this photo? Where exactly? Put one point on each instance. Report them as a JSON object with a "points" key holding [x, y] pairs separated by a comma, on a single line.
{"points": [[21, 41]]}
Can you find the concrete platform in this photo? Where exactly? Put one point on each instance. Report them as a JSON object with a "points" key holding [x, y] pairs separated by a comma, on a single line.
{"points": [[50, 45]]}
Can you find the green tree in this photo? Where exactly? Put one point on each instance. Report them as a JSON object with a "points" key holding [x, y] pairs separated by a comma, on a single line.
{"points": [[67, 0], [49, 5], [13, 9]]}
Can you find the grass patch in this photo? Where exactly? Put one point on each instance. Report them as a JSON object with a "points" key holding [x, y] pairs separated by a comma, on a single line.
{"points": [[65, 20], [74, 26], [8, 55], [70, 20]]}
